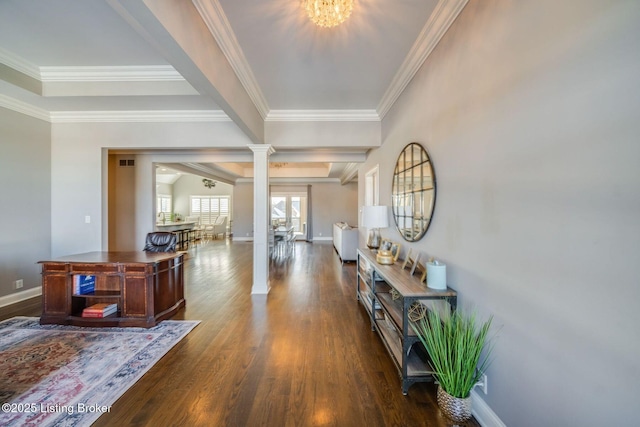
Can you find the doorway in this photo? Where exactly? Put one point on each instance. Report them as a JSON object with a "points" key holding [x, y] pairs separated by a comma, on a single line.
{"points": [[290, 209]]}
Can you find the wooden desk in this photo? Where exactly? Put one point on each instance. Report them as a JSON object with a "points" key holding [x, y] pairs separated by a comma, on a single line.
{"points": [[148, 287]]}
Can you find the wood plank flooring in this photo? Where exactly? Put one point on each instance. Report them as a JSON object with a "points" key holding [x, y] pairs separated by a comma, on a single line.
{"points": [[304, 355]]}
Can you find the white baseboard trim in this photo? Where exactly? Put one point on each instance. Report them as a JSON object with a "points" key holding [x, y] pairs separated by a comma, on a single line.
{"points": [[322, 238], [20, 296], [242, 239], [483, 413]]}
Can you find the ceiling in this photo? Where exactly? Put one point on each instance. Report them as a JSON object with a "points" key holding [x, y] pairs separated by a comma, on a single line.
{"points": [[67, 59]]}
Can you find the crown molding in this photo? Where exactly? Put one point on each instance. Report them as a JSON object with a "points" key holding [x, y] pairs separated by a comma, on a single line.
{"points": [[150, 73], [138, 116], [24, 108], [217, 22], [445, 12], [20, 64], [273, 180], [350, 173], [322, 116], [112, 116]]}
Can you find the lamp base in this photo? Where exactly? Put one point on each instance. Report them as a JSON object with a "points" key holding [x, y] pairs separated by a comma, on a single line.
{"points": [[373, 242], [384, 257]]}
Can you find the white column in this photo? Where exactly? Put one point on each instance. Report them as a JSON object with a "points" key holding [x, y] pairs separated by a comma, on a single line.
{"points": [[261, 153]]}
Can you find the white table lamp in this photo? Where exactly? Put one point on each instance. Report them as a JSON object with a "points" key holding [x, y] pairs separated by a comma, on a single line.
{"points": [[374, 218]]}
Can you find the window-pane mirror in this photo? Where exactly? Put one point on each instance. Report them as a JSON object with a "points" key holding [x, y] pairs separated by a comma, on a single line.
{"points": [[413, 192]]}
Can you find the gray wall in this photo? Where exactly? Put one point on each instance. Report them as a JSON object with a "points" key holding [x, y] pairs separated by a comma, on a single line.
{"points": [[530, 113], [243, 210], [25, 218], [331, 202]]}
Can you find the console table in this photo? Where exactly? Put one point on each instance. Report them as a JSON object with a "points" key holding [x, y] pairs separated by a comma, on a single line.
{"points": [[148, 287], [387, 293]]}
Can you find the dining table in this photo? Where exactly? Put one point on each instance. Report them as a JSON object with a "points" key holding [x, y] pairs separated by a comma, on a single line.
{"points": [[283, 237]]}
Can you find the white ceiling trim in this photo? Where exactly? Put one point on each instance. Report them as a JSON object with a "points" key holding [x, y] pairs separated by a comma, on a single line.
{"points": [[19, 64], [150, 73], [349, 173], [322, 116], [217, 22], [273, 180], [24, 108], [138, 116], [445, 12]]}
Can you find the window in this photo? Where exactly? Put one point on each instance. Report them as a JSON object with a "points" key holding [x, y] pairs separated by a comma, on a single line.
{"points": [[163, 203], [290, 209], [208, 208]]}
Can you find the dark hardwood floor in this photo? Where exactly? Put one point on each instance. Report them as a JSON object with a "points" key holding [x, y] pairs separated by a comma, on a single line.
{"points": [[304, 355]]}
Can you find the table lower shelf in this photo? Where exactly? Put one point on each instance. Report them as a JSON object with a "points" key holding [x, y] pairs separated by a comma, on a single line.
{"points": [[417, 361], [113, 320]]}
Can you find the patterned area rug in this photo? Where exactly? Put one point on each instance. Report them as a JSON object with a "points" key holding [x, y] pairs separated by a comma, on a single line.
{"points": [[54, 375]]}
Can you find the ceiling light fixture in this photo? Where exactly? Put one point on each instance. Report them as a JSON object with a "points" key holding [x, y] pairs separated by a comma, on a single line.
{"points": [[208, 183], [328, 13]]}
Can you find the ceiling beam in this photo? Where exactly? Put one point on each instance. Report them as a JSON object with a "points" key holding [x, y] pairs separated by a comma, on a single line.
{"points": [[176, 29]]}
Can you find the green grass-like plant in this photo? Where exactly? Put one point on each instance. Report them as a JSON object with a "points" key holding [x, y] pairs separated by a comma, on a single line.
{"points": [[455, 344]]}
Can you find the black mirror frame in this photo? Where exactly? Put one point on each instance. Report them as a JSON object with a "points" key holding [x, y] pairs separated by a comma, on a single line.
{"points": [[412, 193]]}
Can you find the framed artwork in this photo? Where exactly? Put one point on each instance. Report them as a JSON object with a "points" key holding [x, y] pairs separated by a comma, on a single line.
{"points": [[411, 261], [385, 245], [395, 251], [417, 265], [408, 263]]}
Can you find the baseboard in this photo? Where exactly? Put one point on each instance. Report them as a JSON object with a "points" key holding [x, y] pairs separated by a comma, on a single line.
{"points": [[242, 239], [322, 238], [20, 296], [483, 413]]}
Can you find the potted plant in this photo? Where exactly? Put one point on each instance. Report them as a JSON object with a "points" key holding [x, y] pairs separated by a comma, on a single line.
{"points": [[455, 345]]}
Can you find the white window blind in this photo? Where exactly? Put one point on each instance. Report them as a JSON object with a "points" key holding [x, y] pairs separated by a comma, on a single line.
{"points": [[208, 208], [163, 204]]}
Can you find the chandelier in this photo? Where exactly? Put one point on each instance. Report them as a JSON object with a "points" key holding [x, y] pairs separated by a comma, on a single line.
{"points": [[328, 13], [209, 183]]}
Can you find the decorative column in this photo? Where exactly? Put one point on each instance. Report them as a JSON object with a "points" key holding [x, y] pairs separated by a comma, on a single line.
{"points": [[261, 153]]}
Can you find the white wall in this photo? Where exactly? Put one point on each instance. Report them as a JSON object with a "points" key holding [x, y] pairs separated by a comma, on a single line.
{"points": [[191, 185], [77, 178], [530, 112], [322, 134], [25, 173]]}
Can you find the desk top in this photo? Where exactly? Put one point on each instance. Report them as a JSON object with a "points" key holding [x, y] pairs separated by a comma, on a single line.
{"points": [[115, 257]]}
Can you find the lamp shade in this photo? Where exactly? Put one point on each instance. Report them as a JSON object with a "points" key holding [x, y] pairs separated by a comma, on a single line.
{"points": [[375, 216]]}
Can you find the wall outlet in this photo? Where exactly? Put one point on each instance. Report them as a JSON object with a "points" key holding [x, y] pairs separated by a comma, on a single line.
{"points": [[483, 383], [18, 284], [87, 219]]}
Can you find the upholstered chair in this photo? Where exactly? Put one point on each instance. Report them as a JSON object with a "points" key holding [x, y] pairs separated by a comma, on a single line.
{"points": [[160, 241]]}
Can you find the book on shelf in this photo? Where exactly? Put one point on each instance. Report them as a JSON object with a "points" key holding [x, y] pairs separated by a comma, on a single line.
{"points": [[84, 284], [100, 310]]}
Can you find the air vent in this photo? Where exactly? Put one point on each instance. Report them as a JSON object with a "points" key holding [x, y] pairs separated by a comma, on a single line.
{"points": [[127, 162]]}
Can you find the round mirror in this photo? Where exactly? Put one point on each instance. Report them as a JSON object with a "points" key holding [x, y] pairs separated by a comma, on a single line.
{"points": [[413, 194]]}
